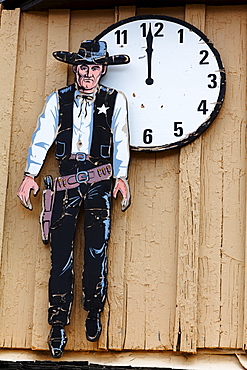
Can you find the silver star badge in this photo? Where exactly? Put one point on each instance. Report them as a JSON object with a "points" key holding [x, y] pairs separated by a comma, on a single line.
{"points": [[102, 109]]}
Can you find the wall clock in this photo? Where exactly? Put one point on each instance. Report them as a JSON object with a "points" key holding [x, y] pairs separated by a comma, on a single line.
{"points": [[174, 83]]}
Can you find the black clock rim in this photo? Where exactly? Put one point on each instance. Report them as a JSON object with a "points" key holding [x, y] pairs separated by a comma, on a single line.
{"points": [[194, 135]]}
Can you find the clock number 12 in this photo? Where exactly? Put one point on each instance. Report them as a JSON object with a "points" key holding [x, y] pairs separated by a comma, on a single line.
{"points": [[158, 33]]}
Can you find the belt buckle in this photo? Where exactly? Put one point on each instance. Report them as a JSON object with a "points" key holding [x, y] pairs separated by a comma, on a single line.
{"points": [[80, 157], [82, 173]]}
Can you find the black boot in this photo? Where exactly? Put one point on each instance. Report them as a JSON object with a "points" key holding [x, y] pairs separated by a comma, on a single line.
{"points": [[93, 325], [57, 340]]}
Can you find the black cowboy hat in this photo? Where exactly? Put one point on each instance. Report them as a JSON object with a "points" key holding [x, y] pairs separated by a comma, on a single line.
{"points": [[91, 52]]}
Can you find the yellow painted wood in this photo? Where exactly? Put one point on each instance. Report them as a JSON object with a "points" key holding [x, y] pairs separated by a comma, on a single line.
{"points": [[55, 77], [221, 278], [176, 12], [151, 248], [21, 226], [85, 25], [62, 32], [181, 242], [233, 238], [189, 227], [93, 23], [9, 34], [116, 302], [123, 12]]}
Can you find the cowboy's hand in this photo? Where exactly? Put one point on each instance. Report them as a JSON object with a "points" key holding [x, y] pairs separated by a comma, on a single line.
{"points": [[122, 185], [28, 184]]}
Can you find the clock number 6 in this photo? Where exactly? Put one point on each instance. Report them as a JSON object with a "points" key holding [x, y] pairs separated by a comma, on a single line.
{"points": [[147, 136]]}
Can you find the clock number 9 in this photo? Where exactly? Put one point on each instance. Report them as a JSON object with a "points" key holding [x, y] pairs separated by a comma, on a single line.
{"points": [[147, 136]]}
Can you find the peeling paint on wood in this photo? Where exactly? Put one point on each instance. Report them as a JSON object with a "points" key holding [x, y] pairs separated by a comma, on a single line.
{"points": [[189, 227], [181, 243]]}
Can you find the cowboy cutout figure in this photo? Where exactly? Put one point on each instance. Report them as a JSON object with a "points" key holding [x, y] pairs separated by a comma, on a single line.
{"points": [[88, 123]]}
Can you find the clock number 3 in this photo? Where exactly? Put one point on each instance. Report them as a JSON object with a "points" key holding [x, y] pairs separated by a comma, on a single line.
{"points": [[213, 81]]}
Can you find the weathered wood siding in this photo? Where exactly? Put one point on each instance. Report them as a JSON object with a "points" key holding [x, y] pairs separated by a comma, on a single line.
{"points": [[177, 256]]}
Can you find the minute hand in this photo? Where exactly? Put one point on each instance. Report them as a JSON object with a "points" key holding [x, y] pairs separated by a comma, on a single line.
{"points": [[149, 50]]}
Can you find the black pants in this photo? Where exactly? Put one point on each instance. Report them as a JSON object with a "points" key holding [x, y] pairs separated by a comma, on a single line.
{"points": [[96, 198]]}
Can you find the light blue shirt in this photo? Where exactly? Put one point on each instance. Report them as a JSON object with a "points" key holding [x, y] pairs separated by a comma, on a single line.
{"points": [[83, 112]]}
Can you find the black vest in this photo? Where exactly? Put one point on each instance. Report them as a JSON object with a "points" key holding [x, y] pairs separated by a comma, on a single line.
{"points": [[101, 146]]}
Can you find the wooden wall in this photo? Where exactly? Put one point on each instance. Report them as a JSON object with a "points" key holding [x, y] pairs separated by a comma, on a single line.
{"points": [[177, 256]]}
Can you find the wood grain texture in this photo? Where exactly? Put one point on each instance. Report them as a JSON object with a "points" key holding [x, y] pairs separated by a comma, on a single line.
{"points": [[223, 173], [182, 242], [21, 226], [55, 77], [117, 253], [9, 34], [151, 246], [189, 227]]}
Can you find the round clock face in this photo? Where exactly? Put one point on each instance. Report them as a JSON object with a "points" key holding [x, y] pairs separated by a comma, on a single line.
{"points": [[174, 83]]}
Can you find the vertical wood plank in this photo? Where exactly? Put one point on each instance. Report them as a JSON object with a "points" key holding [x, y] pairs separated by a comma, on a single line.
{"points": [[234, 179], [177, 12], [55, 77], [189, 227], [9, 34], [150, 271], [221, 278], [142, 167], [211, 193], [161, 240], [1, 9], [232, 35], [117, 251], [123, 12], [85, 25], [93, 23], [151, 254], [21, 226], [162, 189]]}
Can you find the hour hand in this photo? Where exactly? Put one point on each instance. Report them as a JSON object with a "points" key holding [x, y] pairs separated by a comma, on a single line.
{"points": [[149, 50]]}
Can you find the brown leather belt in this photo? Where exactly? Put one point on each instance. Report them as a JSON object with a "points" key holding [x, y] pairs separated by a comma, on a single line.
{"points": [[80, 157], [96, 174]]}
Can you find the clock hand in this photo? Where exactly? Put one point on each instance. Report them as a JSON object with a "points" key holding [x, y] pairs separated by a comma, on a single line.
{"points": [[149, 50]]}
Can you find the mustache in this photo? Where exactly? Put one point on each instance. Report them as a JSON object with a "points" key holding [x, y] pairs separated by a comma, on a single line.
{"points": [[87, 78]]}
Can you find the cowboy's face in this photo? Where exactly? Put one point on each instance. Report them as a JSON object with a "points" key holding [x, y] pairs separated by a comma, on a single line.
{"points": [[88, 76]]}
